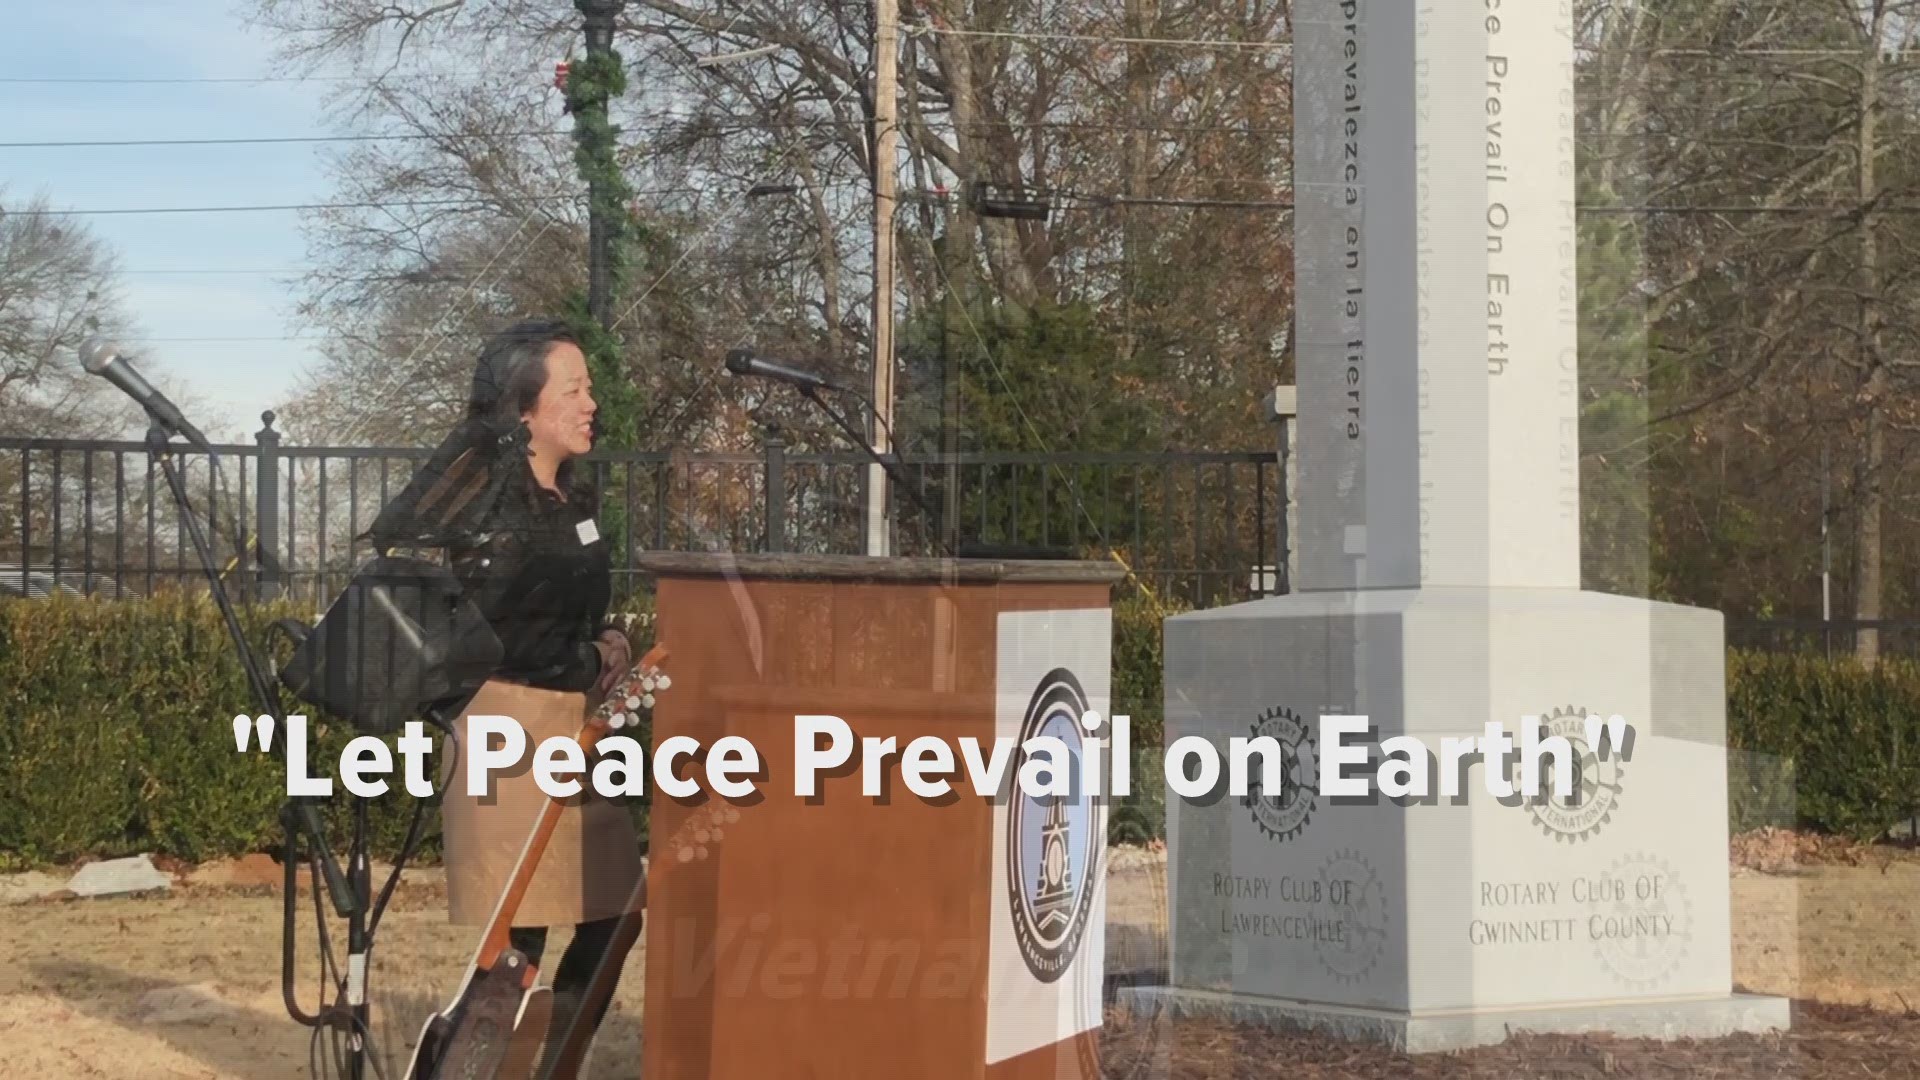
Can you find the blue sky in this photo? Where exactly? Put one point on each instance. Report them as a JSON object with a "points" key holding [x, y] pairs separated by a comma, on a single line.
{"points": [[176, 313]]}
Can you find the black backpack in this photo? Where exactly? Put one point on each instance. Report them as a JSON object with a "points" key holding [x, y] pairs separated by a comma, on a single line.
{"points": [[404, 640], [401, 640]]}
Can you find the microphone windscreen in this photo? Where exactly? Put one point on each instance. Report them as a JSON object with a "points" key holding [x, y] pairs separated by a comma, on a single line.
{"points": [[740, 361], [96, 353]]}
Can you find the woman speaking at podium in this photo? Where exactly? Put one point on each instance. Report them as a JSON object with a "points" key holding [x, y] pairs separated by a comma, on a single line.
{"points": [[538, 569]]}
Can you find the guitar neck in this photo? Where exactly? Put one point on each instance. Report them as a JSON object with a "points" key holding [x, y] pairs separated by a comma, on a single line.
{"points": [[612, 714]]}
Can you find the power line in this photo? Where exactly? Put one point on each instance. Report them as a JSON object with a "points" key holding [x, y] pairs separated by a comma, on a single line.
{"points": [[1103, 201], [1079, 125], [190, 339], [266, 140], [242, 338], [368, 274], [275, 207], [744, 122], [1837, 208], [1829, 208], [115, 80], [276, 271], [375, 205], [1023, 35], [1720, 54]]}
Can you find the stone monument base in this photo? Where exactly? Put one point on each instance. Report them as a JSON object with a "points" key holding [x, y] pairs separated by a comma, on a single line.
{"points": [[1435, 1032], [1449, 917]]}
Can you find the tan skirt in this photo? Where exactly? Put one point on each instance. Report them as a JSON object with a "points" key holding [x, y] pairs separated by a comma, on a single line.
{"points": [[591, 868]]}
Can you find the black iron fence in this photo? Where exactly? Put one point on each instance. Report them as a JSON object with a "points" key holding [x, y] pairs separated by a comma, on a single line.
{"points": [[1827, 637], [1198, 528]]}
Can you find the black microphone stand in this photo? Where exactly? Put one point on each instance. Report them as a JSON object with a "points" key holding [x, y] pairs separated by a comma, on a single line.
{"points": [[300, 814], [949, 537], [812, 393]]}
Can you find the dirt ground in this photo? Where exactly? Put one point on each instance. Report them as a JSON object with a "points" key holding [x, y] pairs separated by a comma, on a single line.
{"points": [[186, 986]]}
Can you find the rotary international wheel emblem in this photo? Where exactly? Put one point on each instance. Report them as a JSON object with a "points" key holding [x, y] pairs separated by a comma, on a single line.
{"points": [[1595, 789], [1285, 813], [1357, 901], [1644, 922]]}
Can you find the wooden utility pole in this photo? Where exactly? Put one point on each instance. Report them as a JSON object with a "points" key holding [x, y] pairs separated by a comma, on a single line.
{"points": [[1867, 536], [885, 129]]}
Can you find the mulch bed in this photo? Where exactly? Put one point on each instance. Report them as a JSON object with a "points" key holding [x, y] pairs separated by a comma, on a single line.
{"points": [[1782, 851], [1826, 1043]]}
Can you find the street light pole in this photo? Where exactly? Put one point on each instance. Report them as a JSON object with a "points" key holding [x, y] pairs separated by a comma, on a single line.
{"points": [[598, 17]]}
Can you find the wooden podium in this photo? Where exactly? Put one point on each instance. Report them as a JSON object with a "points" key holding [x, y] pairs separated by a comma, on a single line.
{"points": [[874, 937]]}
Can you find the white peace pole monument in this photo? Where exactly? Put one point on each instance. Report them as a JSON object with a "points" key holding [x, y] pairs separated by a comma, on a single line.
{"points": [[1439, 591]]}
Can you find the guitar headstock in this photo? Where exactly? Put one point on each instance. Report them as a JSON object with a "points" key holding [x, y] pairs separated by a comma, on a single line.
{"points": [[703, 830], [633, 692]]}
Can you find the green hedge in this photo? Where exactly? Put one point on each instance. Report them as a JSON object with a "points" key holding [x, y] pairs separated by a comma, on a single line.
{"points": [[1825, 744], [1142, 814], [116, 737]]}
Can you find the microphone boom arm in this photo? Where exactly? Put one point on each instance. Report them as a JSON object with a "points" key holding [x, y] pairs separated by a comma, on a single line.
{"points": [[812, 394], [265, 694]]}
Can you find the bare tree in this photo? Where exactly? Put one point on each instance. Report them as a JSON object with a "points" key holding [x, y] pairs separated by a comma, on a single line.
{"points": [[765, 158], [57, 286], [1761, 157]]}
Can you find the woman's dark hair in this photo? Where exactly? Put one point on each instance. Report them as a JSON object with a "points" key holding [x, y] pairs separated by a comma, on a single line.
{"points": [[483, 462], [508, 378]]}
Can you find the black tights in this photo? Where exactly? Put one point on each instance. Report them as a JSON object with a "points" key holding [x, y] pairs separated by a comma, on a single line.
{"points": [[595, 945]]}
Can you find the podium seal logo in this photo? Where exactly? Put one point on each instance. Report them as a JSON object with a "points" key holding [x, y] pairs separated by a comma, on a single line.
{"points": [[1595, 788], [1354, 936], [1285, 813], [1641, 931], [1054, 842]]}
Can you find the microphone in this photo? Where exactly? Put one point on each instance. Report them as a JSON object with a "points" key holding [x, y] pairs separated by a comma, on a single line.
{"points": [[103, 358], [743, 362]]}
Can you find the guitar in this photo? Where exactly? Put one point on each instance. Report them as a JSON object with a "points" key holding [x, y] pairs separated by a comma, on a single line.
{"points": [[497, 1022]]}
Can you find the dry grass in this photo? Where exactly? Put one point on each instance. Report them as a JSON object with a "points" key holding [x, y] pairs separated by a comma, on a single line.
{"points": [[187, 987]]}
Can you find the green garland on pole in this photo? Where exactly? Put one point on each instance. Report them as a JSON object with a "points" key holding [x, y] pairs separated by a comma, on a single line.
{"points": [[591, 84]]}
